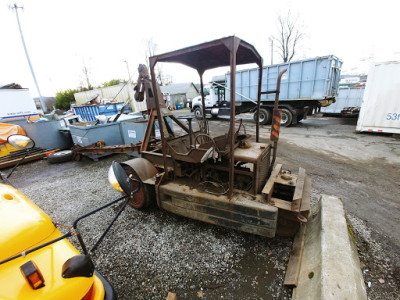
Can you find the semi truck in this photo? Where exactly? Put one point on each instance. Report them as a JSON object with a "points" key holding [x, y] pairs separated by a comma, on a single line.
{"points": [[307, 86]]}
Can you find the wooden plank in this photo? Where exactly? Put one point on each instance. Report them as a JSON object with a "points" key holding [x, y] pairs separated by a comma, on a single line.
{"points": [[298, 192], [13, 162], [296, 254], [282, 204], [269, 186], [172, 296], [306, 201]]}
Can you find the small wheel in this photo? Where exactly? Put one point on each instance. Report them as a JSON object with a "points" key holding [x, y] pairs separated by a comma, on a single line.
{"points": [[144, 198], [60, 156], [265, 116], [198, 113], [286, 118]]}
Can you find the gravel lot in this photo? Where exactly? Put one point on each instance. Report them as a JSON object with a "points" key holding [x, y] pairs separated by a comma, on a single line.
{"points": [[147, 254]]}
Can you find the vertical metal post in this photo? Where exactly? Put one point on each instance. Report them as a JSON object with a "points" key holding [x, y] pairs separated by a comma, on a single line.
{"points": [[203, 102], [15, 7], [232, 118], [160, 119], [258, 103], [275, 119]]}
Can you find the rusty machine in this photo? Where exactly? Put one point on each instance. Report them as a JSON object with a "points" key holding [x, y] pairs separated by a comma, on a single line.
{"points": [[228, 180]]}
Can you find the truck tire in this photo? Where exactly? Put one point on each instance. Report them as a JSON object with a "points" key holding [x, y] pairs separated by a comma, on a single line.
{"points": [[198, 112], [265, 116], [287, 117], [60, 156]]}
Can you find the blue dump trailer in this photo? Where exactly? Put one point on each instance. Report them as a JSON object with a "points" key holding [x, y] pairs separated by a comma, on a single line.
{"points": [[348, 102], [307, 85]]}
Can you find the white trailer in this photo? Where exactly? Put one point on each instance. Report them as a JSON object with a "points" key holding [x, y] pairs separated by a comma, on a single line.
{"points": [[16, 103], [380, 109]]}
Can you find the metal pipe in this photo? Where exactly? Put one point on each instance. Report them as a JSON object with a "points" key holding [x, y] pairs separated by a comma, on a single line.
{"points": [[153, 61], [75, 224], [278, 88], [203, 102], [232, 120], [37, 248], [258, 104], [275, 147]]}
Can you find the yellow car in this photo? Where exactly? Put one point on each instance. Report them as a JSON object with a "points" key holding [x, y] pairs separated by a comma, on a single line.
{"points": [[36, 259]]}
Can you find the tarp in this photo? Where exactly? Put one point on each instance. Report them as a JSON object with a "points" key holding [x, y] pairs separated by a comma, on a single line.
{"points": [[8, 129]]}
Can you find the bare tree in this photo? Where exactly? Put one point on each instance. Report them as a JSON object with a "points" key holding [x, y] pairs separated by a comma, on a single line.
{"points": [[86, 74], [151, 50], [289, 36]]}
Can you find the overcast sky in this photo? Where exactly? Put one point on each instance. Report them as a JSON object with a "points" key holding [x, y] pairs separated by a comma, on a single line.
{"points": [[62, 36]]}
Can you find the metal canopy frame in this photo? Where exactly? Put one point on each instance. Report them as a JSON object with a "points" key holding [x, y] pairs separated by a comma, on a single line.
{"points": [[228, 51]]}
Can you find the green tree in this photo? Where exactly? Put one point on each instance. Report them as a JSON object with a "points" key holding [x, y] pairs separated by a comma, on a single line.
{"points": [[65, 98], [112, 82]]}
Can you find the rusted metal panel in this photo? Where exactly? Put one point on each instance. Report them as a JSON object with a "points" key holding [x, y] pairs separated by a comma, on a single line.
{"points": [[142, 167], [157, 159], [241, 212], [101, 148], [212, 54], [251, 154]]}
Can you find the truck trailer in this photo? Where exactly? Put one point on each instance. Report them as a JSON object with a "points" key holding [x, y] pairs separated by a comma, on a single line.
{"points": [[380, 108], [307, 86]]}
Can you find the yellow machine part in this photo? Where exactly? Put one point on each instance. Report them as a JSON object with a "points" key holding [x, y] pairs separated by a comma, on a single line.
{"points": [[24, 226], [6, 149]]}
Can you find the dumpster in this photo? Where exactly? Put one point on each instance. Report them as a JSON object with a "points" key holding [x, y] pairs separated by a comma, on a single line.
{"points": [[348, 97], [133, 132], [47, 135], [89, 112], [309, 79], [84, 134]]}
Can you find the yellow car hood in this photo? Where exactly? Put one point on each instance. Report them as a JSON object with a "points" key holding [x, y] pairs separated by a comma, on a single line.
{"points": [[22, 224]]}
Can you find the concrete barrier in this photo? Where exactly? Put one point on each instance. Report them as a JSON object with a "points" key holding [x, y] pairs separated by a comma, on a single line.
{"points": [[330, 267]]}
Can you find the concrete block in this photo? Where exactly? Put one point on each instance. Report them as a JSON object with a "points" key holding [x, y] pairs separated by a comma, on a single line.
{"points": [[330, 267]]}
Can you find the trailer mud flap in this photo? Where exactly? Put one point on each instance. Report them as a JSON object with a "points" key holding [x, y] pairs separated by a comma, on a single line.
{"points": [[240, 212]]}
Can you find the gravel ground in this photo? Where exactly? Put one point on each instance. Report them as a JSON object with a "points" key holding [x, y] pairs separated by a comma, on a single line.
{"points": [[149, 253]]}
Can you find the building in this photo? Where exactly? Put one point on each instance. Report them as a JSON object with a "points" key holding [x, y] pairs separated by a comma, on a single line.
{"points": [[180, 93]]}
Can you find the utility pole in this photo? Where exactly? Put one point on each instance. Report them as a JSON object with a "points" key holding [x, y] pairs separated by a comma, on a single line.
{"points": [[129, 74], [15, 7]]}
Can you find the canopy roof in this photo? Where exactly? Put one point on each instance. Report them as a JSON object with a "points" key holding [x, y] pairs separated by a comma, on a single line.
{"points": [[212, 54]]}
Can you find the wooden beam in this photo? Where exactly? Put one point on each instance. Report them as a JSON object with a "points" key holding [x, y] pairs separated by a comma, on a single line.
{"points": [[269, 186], [13, 162], [298, 192], [296, 254], [306, 201], [172, 296]]}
